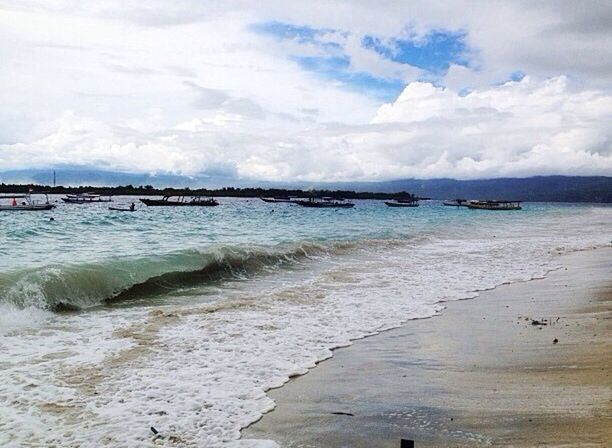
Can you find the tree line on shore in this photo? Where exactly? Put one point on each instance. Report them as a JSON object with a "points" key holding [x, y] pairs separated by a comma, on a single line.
{"points": [[149, 190]]}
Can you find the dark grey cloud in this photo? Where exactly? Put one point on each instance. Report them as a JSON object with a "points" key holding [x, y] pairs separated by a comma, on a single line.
{"points": [[587, 18]]}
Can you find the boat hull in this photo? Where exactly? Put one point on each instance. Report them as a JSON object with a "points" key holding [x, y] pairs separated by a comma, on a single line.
{"points": [[162, 203], [84, 201], [493, 208], [273, 201], [118, 209], [26, 208], [399, 204], [312, 204]]}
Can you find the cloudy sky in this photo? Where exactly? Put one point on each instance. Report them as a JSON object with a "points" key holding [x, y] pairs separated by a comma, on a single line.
{"points": [[317, 90]]}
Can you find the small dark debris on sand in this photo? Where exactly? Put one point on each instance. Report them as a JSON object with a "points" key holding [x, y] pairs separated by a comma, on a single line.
{"points": [[343, 413], [539, 322]]}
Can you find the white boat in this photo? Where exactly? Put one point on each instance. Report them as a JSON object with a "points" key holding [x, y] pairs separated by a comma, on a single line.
{"points": [[25, 203], [85, 198], [456, 203]]}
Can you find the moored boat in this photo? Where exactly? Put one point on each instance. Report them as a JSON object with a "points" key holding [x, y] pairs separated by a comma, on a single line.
{"points": [[28, 204], [181, 201], [119, 209], [85, 198], [131, 208], [325, 202], [409, 202], [277, 199], [456, 203], [494, 205]]}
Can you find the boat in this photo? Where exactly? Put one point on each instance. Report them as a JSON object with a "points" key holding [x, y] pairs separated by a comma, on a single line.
{"points": [[181, 201], [131, 208], [325, 202], [28, 204], [494, 205], [277, 199], [85, 198], [456, 203], [412, 202]]}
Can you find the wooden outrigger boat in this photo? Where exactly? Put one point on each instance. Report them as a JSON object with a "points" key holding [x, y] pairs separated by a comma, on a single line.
{"points": [[494, 205], [28, 204], [85, 198], [181, 201], [131, 208], [403, 203], [325, 202], [119, 209]]}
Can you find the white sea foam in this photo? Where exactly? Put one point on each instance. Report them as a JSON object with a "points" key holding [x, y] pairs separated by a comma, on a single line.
{"points": [[198, 373]]}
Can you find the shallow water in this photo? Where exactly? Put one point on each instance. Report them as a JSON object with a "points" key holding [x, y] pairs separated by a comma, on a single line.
{"points": [[182, 318]]}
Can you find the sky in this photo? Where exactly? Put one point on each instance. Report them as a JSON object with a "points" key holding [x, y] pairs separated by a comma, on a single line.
{"points": [[308, 91]]}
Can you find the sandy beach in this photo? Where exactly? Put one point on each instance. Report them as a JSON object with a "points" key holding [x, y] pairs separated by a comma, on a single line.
{"points": [[526, 364]]}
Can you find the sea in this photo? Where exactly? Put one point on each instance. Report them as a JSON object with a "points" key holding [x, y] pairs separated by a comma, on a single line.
{"points": [[182, 318]]}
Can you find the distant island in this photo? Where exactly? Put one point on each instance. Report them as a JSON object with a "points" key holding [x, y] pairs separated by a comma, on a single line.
{"points": [[149, 190], [596, 189]]}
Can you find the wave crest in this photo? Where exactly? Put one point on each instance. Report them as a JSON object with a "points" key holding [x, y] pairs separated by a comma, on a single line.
{"points": [[72, 287]]}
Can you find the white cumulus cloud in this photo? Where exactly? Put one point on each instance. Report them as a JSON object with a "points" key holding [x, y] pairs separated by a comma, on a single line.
{"points": [[514, 129], [189, 87]]}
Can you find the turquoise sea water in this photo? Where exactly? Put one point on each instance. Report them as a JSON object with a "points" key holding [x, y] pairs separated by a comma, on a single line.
{"points": [[209, 307], [117, 250]]}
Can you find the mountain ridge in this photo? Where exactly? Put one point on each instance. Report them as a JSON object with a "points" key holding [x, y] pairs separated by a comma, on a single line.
{"points": [[554, 188]]}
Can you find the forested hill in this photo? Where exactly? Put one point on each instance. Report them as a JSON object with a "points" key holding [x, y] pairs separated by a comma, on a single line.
{"points": [[539, 188]]}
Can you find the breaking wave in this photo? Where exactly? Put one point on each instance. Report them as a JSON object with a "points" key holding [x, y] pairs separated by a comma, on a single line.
{"points": [[73, 287]]}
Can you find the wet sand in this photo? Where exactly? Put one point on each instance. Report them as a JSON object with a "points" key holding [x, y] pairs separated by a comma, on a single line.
{"points": [[479, 374]]}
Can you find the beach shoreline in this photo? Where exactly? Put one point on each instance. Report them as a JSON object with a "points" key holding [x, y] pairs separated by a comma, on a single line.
{"points": [[523, 364]]}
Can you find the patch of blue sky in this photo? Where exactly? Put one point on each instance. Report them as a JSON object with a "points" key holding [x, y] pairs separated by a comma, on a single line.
{"points": [[435, 52], [334, 65], [336, 68], [517, 75], [300, 34]]}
